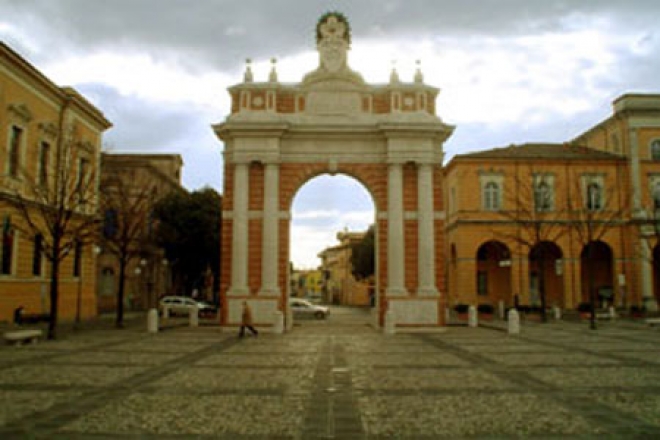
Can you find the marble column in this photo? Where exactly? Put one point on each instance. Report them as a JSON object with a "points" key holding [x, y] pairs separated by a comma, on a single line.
{"points": [[425, 232], [395, 237], [270, 236], [239, 248]]}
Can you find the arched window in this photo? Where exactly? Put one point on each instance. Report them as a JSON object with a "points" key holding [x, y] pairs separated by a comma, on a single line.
{"points": [[491, 196], [655, 149]]}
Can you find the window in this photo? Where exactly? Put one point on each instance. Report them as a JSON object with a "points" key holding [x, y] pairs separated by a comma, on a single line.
{"points": [[44, 154], [655, 149], [77, 258], [491, 196], [14, 150], [656, 196], [110, 223], [542, 196], [7, 247], [83, 171], [594, 197], [37, 254]]}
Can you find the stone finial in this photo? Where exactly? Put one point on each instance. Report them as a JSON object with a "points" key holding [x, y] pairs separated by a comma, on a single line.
{"points": [[394, 76], [247, 77], [272, 77], [419, 77]]}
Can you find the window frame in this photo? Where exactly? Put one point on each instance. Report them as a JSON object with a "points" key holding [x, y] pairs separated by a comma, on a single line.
{"points": [[654, 149]]}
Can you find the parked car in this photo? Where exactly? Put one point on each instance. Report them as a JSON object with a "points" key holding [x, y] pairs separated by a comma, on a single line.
{"points": [[181, 305], [302, 308]]}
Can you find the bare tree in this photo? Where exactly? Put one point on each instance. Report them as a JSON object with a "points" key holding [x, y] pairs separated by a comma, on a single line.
{"points": [[593, 212], [58, 202], [126, 208], [538, 223]]}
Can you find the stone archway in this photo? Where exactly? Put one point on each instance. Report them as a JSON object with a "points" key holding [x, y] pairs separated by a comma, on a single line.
{"points": [[493, 276], [597, 275], [386, 136]]}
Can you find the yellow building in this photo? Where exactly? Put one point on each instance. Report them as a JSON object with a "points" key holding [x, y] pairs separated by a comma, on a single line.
{"points": [[139, 181], [51, 139], [341, 287], [518, 217]]}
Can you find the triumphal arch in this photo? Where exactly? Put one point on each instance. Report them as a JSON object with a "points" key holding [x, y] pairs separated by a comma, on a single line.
{"points": [[387, 136]]}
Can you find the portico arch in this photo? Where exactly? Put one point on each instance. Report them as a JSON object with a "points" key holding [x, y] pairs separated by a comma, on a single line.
{"points": [[385, 136]]}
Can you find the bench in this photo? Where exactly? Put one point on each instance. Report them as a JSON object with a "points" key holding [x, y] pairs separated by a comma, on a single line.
{"points": [[17, 337], [653, 321]]}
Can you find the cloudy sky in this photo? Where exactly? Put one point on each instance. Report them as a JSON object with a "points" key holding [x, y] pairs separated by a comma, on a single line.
{"points": [[511, 71]]}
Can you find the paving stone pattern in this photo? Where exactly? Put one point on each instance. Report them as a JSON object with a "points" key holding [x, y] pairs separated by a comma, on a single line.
{"points": [[335, 379]]}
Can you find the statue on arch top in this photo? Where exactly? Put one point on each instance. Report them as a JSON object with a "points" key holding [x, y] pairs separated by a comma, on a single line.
{"points": [[333, 39]]}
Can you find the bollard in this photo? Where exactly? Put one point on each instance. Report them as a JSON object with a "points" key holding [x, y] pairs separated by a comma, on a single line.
{"points": [[389, 323], [194, 316], [501, 309], [166, 312], [513, 322], [473, 319], [612, 312], [278, 325], [152, 321], [557, 311]]}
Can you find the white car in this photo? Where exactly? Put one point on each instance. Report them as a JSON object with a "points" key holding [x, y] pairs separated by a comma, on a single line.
{"points": [[302, 308], [181, 305]]}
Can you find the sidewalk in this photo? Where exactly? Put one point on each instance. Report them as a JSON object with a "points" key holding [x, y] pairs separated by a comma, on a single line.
{"points": [[334, 379]]}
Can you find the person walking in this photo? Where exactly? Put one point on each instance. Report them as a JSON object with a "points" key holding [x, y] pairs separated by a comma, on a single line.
{"points": [[246, 321]]}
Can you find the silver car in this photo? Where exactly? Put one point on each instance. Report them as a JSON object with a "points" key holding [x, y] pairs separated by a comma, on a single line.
{"points": [[181, 305], [302, 308]]}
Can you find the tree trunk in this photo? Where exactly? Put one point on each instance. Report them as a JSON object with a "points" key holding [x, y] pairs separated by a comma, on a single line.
{"points": [[544, 317], [590, 286], [54, 292], [120, 293]]}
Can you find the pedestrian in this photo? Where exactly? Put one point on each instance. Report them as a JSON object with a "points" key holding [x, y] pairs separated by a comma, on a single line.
{"points": [[246, 321]]}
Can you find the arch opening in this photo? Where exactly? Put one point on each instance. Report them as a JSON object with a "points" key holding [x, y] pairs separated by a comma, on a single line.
{"points": [[330, 217]]}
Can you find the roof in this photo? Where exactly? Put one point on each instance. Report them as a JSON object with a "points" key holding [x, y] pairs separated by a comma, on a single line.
{"points": [[541, 151]]}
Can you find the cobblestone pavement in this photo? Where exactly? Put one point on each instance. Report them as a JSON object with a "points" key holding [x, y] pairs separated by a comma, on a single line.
{"points": [[335, 379]]}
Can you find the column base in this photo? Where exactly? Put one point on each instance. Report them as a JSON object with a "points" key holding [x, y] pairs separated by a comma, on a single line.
{"points": [[263, 311], [270, 291], [396, 291], [238, 291], [416, 313], [427, 291]]}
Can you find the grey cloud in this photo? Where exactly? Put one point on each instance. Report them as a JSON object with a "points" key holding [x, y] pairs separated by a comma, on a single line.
{"points": [[224, 32]]}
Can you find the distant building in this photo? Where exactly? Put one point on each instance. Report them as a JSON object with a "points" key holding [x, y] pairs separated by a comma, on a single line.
{"points": [[148, 275], [47, 133], [340, 285], [307, 283]]}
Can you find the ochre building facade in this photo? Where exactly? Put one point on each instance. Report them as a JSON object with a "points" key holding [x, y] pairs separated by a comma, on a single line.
{"points": [[44, 129], [605, 181]]}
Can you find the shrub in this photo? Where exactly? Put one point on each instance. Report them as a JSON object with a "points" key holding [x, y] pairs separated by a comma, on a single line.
{"points": [[637, 310], [485, 308], [584, 307], [461, 308]]}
